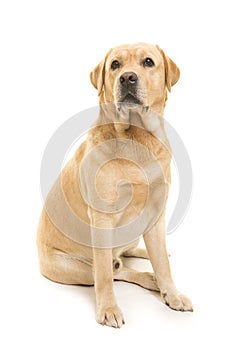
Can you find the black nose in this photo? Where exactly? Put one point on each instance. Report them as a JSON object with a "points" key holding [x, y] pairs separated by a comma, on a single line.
{"points": [[128, 78]]}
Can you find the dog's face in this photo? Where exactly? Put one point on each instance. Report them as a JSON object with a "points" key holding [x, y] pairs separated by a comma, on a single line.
{"points": [[135, 74]]}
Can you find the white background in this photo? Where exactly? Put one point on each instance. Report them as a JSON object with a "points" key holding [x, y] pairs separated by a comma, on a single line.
{"points": [[48, 49]]}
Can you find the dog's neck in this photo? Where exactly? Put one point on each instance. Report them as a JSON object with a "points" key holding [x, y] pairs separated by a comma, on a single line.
{"points": [[123, 116]]}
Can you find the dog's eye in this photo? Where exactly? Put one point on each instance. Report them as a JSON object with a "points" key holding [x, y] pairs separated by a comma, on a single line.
{"points": [[148, 62], [115, 64]]}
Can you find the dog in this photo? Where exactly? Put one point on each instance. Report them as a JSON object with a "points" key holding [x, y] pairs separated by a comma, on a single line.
{"points": [[117, 185]]}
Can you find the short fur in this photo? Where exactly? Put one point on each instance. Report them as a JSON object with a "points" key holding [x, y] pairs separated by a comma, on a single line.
{"points": [[64, 260]]}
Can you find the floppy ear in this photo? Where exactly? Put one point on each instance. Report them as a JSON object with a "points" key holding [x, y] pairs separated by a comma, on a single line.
{"points": [[172, 72], [97, 76]]}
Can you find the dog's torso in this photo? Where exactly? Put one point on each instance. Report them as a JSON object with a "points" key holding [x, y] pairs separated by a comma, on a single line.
{"points": [[115, 187], [133, 179]]}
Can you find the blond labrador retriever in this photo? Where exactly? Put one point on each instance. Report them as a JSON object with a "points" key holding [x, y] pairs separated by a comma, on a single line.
{"points": [[128, 153]]}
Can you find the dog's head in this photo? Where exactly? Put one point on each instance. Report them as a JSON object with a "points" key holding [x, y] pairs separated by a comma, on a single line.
{"points": [[135, 74]]}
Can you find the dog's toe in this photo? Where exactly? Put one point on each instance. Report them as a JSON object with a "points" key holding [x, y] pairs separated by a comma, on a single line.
{"points": [[177, 301], [110, 316]]}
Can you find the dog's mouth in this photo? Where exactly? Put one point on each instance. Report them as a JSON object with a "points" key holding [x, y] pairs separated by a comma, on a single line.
{"points": [[130, 101], [130, 98]]}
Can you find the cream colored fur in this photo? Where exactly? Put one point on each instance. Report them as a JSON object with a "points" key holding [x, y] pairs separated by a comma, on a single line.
{"points": [[62, 258]]}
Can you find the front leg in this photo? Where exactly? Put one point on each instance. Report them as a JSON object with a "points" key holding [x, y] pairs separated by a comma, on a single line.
{"points": [[107, 311], [155, 241]]}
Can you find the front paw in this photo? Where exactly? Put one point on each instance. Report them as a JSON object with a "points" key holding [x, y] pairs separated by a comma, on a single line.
{"points": [[177, 301], [110, 316]]}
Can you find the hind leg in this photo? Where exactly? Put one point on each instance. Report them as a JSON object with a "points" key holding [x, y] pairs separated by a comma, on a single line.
{"points": [[135, 251], [64, 268], [144, 279]]}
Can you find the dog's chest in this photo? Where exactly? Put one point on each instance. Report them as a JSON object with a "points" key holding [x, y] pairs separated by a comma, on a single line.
{"points": [[128, 169], [126, 176]]}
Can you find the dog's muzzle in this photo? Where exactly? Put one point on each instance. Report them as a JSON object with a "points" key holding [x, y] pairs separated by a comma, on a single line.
{"points": [[128, 82]]}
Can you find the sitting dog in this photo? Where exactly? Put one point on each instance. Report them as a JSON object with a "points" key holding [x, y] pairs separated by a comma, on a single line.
{"points": [[115, 187]]}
